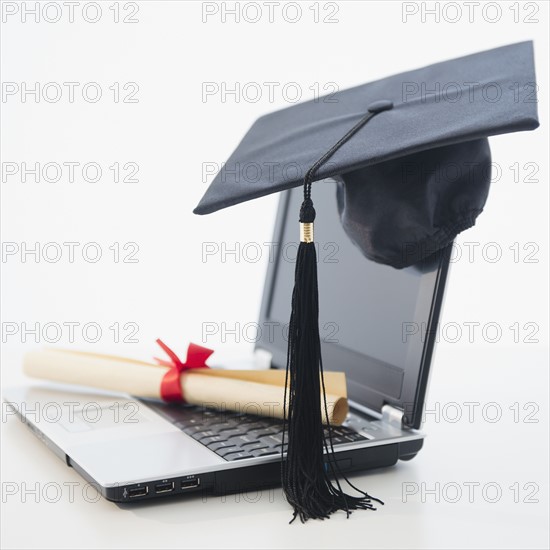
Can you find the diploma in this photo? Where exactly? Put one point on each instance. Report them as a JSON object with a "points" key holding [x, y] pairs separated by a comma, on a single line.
{"points": [[250, 391]]}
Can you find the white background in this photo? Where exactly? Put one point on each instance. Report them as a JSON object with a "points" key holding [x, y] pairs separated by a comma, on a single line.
{"points": [[170, 133]]}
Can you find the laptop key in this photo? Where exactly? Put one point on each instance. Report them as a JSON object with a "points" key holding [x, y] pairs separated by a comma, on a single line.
{"points": [[238, 456], [248, 426], [223, 426], [249, 447], [273, 430], [266, 452], [214, 439], [233, 433], [189, 430], [188, 422], [217, 445], [227, 450], [273, 440], [202, 435], [242, 440]]}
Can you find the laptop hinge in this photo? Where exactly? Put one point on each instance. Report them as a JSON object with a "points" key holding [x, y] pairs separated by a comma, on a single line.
{"points": [[262, 358], [392, 415]]}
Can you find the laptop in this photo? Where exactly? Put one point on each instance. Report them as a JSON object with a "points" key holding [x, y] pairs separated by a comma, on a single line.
{"points": [[377, 324]]}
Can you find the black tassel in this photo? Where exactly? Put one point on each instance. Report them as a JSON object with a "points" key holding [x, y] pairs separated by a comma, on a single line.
{"points": [[306, 478], [310, 464]]}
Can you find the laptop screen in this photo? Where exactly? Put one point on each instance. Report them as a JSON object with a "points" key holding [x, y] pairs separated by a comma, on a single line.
{"points": [[375, 321]]}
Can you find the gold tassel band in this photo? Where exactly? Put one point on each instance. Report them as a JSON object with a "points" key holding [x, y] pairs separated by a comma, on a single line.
{"points": [[306, 232]]}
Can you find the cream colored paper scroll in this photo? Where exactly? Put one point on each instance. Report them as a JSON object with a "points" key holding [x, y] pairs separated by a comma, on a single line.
{"points": [[251, 391]]}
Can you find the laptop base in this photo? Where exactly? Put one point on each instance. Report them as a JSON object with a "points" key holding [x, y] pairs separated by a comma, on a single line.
{"points": [[249, 478]]}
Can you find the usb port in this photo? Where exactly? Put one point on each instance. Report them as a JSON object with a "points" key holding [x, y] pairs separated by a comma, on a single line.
{"points": [[138, 492], [190, 483], [164, 487]]}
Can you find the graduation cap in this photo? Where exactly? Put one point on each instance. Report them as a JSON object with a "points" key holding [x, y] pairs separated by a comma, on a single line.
{"points": [[412, 161]]}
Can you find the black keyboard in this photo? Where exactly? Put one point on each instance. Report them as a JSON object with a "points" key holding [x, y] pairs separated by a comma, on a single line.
{"points": [[235, 436]]}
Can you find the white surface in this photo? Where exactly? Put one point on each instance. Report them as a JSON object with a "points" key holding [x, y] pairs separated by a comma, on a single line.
{"points": [[173, 293], [482, 455]]}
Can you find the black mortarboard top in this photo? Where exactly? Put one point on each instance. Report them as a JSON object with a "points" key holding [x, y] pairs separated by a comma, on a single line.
{"points": [[412, 161], [417, 174]]}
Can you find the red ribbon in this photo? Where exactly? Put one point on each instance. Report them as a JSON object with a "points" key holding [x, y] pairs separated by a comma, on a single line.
{"points": [[170, 387]]}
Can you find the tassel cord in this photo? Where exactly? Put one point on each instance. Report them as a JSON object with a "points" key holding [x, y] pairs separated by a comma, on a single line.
{"points": [[306, 478]]}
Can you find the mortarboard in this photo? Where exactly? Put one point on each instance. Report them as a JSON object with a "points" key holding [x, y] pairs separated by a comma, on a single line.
{"points": [[412, 161]]}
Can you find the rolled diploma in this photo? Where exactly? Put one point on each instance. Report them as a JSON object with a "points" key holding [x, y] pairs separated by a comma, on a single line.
{"points": [[205, 387]]}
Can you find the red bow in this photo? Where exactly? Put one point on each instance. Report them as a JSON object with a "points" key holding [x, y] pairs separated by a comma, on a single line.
{"points": [[170, 387]]}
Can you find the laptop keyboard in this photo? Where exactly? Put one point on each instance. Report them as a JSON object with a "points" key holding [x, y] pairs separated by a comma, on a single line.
{"points": [[235, 436]]}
